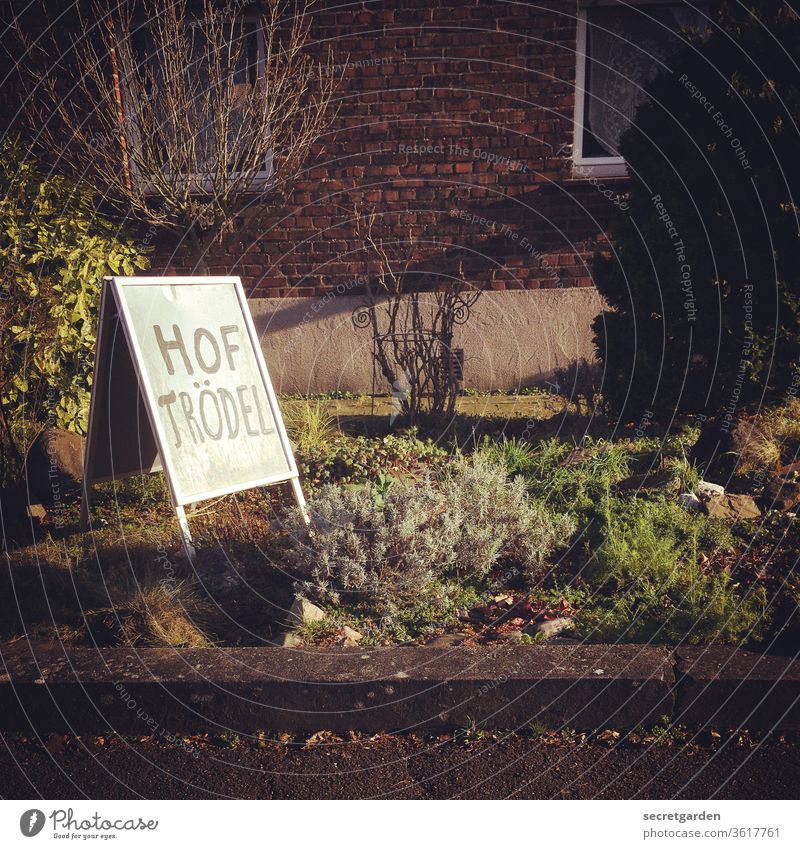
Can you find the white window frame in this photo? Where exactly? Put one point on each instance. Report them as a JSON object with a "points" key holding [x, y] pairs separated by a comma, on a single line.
{"points": [[585, 167], [203, 185]]}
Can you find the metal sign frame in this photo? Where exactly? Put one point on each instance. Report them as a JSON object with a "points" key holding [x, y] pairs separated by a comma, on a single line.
{"points": [[112, 288]]}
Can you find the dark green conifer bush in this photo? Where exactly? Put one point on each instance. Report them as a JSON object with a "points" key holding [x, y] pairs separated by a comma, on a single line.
{"points": [[703, 280]]}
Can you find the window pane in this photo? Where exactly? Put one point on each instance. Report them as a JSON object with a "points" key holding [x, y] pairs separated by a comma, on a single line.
{"points": [[238, 62], [624, 49]]}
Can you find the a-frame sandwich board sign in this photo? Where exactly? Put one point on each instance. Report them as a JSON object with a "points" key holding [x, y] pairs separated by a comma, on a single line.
{"points": [[180, 384]]}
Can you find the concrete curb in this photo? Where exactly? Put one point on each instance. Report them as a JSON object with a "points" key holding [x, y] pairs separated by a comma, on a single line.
{"points": [[722, 687], [174, 691]]}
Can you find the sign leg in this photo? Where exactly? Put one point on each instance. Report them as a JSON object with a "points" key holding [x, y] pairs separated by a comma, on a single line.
{"points": [[84, 522], [183, 524], [300, 499]]}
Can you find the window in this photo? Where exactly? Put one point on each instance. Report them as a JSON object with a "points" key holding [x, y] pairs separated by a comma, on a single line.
{"points": [[620, 48], [205, 111]]}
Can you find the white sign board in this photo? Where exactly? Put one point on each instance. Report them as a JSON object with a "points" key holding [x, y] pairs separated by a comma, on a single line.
{"points": [[201, 406]]}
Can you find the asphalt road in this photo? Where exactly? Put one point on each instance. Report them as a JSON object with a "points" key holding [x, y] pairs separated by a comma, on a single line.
{"points": [[397, 767]]}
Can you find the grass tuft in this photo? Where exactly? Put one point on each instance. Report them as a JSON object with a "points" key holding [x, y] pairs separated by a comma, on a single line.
{"points": [[310, 426]]}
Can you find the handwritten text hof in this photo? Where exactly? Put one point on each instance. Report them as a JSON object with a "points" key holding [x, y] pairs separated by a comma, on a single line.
{"points": [[217, 424]]}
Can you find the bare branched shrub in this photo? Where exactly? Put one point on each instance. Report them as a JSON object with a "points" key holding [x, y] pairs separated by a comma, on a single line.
{"points": [[393, 548], [413, 315], [184, 115]]}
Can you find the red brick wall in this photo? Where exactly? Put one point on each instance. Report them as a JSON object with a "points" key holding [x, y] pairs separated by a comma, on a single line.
{"points": [[487, 90]]}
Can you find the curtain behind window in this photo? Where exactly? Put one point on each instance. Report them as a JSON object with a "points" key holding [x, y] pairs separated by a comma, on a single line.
{"points": [[241, 57], [625, 48]]}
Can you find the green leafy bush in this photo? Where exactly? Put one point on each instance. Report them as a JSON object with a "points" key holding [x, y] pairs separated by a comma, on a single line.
{"points": [[641, 535], [461, 522], [54, 251], [703, 286], [694, 607], [348, 459]]}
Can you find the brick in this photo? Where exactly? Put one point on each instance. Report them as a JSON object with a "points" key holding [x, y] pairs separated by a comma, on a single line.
{"points": [[440, 85]]}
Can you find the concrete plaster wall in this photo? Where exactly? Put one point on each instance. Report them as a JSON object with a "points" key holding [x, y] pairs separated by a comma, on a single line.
{"points": [[512, 339]]}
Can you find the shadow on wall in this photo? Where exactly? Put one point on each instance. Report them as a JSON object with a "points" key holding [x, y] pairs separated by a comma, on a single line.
{"points": [[533, 248], [513, 339]]}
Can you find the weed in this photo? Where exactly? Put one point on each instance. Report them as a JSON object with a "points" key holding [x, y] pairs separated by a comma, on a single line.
{"points": [[684, 472], [575, 479], [472, 733], [263, 739], [310, 426], [537, 729], [666, 733], [164, 614], [768, 439], [348, 460], [572, 737], [377, 488], [514, 455], [314, 632]]}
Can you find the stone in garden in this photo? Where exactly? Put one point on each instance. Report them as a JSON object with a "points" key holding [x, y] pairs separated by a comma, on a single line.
{"points": [[780, 494], [731, 507], [690, 501], [786, 471], [54, 466], [551, 627], [290, 641], [37, 513], [705, 489], [303, 611], [350, 636]]}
